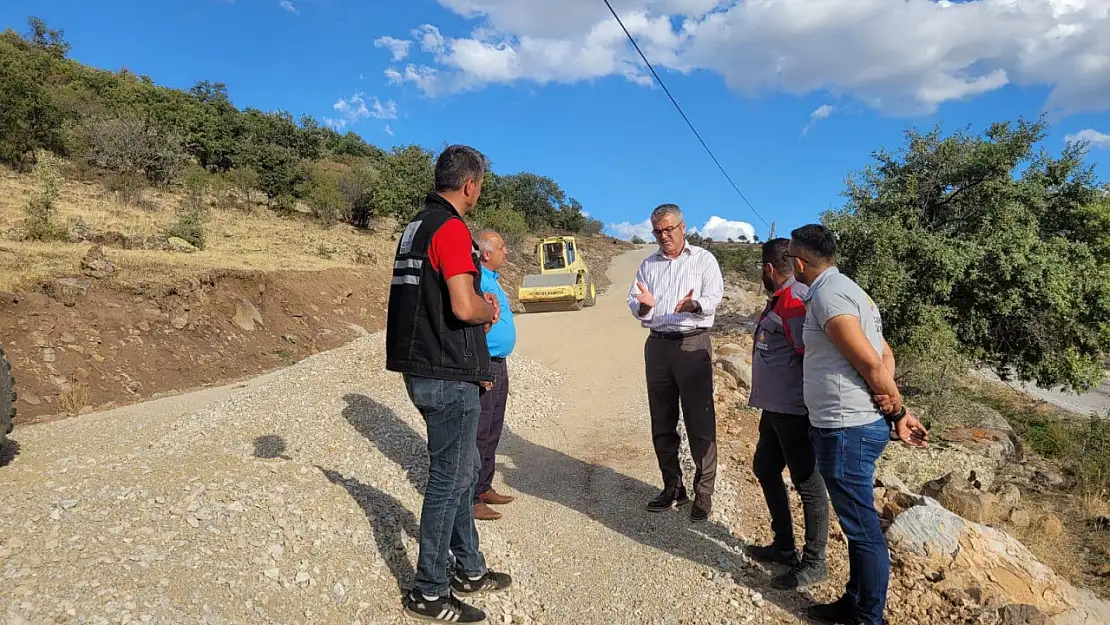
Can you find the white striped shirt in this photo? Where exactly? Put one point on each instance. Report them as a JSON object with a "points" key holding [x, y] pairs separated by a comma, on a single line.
{"points": [[672, 279]]}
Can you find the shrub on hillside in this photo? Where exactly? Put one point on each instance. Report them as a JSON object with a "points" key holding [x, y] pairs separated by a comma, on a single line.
{"points": [[507, 222], [197, 184], [126, 146], [188, 227], [358, 184], [40, 223], [328, 203]]}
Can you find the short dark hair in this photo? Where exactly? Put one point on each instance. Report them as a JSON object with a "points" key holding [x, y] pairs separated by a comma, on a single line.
{"points": [[817, 240], [456, 165], [774, 253]]}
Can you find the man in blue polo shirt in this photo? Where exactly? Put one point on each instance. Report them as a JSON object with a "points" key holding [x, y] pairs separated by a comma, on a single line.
{"points": [[501, 337]]}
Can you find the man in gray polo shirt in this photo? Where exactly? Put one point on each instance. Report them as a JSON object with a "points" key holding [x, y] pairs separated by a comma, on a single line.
{"points": [[848, 373]]}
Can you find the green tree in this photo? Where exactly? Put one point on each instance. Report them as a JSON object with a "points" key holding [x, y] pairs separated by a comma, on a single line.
{"points": [[985, 247], [507, 222], [358, 184], [280, 170], [408, 175], [29, 116], [47, 39]]}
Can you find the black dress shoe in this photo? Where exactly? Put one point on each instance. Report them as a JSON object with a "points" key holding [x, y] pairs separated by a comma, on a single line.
{"points": [[669, 498], [702, 507]]}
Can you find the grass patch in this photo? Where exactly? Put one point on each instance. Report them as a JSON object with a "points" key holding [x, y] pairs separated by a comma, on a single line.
{"points": [[238, 239]]}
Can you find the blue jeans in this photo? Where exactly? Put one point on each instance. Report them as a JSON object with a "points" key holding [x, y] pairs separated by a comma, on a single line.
{"points": [[846, 459], [450, 409]]}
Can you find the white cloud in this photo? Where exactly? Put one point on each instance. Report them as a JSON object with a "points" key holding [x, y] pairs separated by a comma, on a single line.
{"points": [[289, 6], [394, 77], [905, 56], [626, 230], [431, 40], [1095, 138], [399, 48], [716, 228], [389, 130], [721, 229], [821, 112], [356, 108]]}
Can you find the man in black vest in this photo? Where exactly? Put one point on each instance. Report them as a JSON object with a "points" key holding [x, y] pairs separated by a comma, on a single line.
{"points": [[435, 336]]}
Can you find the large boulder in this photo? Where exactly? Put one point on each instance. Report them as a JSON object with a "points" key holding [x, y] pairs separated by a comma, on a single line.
{"points": [[1002, 571], [918, 466], [68, 291], [246, 315], [737, 361], [963, 497], [989, 435], [96, 265]]}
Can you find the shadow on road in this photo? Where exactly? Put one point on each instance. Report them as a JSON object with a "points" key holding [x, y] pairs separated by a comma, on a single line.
{"points": [[389, 519], [617, 501], [270, 446], [392, 436], [611, 498]]}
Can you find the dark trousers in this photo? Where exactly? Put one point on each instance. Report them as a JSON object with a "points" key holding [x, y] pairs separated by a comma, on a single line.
{"points": [[846, 459], [450, 409], [784, 442], [490, 424], [681, 372]]}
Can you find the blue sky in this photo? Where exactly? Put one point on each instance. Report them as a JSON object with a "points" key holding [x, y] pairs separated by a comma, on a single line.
{"points": [[791, 95]]}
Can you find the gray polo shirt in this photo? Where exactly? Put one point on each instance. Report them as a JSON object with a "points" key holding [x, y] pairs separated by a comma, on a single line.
{"points": [[835, 393]]}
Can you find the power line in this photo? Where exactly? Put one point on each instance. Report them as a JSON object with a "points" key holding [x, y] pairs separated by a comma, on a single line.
{"points": [[683, 114]]}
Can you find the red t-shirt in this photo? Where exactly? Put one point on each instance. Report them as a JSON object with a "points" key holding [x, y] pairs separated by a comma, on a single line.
{"points": [[451, 249]]}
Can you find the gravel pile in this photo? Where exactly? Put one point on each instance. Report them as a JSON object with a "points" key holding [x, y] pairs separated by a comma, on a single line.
{"points": [[294, 501]]}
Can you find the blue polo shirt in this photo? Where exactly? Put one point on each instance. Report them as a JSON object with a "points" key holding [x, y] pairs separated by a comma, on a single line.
{"points": [[502, 336]]}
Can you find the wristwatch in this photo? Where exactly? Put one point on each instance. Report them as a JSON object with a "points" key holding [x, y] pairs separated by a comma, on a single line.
{"points": [[893, 419]]}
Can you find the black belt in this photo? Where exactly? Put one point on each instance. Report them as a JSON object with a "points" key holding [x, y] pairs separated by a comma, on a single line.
{"points": [[496, 359], [677, 336]]}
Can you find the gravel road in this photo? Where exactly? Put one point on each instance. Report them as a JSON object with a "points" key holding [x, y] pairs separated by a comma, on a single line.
{"points": [[1094, 402], [293, 499]]}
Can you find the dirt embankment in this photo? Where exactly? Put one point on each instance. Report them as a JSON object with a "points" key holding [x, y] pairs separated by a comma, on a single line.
{"points": [[116, 347]]}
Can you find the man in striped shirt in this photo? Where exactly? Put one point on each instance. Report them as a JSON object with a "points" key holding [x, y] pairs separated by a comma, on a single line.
{"points": [[676, 294]]}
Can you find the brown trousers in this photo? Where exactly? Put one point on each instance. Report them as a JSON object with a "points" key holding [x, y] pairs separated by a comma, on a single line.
{"points": [[681, 371]]}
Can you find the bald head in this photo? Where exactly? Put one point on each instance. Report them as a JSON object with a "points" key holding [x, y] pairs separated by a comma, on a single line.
{"points": [[494, 252]]}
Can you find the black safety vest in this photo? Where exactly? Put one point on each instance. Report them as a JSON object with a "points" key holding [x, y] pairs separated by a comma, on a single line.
{"points": [[423, 337]]}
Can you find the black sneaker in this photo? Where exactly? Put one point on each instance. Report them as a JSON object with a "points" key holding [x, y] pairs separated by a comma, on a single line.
{"points": [[842, 612], [803, 575], [490, 582], [442, 610], [773, 555], [700, 512], [669, 498]]}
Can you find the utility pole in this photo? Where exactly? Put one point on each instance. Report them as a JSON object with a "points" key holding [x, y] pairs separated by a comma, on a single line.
{"points": [[772, 231]]}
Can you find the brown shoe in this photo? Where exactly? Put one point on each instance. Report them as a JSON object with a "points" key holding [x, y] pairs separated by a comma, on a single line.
{"points": [[482, 512], [495, 498]]}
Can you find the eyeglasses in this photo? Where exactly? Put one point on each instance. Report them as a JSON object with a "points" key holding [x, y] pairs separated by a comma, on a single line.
{"points": [[658, 232], [801, 258]]}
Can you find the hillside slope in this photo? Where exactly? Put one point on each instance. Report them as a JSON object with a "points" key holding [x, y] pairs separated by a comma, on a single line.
{"points": [[113, 316]]}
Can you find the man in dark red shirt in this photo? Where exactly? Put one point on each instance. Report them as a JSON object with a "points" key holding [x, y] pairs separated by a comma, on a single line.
{"points": [[436, 337], [784, 426]]}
